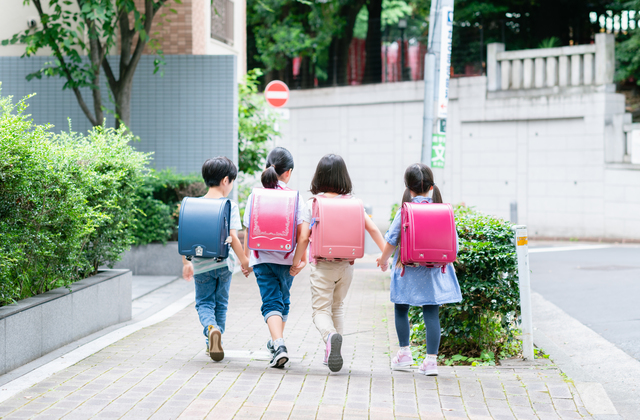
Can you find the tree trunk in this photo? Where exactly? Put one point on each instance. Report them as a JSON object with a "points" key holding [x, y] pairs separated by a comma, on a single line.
{"points": [[123, 105], [339, 49], [373, 63]]}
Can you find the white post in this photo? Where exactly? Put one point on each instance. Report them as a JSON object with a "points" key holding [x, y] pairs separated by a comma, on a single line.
{"points": [[522, 252]]}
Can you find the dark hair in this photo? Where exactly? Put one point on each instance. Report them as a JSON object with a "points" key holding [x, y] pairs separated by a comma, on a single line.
{"points": [[279, 161], [331, 176], [419, 179], [215, 169]]}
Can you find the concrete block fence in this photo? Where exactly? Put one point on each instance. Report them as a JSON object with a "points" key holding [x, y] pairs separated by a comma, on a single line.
{"points": [[38, 325]]}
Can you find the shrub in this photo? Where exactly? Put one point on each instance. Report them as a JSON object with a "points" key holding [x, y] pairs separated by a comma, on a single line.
{"points": [[66, 202], [484, 322], [158, 200]]}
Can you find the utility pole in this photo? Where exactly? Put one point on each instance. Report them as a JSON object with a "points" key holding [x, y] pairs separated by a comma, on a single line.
{"points": [[437, 65]]}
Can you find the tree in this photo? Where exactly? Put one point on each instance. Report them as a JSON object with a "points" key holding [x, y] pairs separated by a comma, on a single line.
{"points": [[105, 24]]}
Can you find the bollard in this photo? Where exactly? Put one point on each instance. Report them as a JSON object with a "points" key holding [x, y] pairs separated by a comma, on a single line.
{"points": [[522, 252]]}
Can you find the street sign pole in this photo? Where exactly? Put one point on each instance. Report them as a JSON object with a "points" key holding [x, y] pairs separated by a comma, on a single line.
{"points": [[436, 82], [522, 252]]}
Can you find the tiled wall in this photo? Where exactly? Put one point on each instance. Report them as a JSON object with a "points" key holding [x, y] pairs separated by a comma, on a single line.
{"points": [[184, 117]]}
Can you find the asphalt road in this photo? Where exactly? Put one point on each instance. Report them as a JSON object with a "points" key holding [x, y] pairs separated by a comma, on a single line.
{"points": [[598, 287]]}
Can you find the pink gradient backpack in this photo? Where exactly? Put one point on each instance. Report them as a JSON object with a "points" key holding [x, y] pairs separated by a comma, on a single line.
{"points": [[337, 228], [272, 223], [428, 235]]}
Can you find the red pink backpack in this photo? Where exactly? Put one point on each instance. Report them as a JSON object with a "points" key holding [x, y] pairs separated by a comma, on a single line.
{"points": [[428, 235], [272, 223], [337, 228]]}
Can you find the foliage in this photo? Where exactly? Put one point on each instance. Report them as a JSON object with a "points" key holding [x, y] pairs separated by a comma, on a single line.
{"points": [[392, 12], [256, 125], [93, 30], [158, 199], [66, 202], [628, 59], [394, 209], [485, 321], [551, 42]]}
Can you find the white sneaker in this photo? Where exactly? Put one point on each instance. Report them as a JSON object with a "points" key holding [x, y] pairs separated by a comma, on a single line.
{"points": [[429, 366], [402, 360]]}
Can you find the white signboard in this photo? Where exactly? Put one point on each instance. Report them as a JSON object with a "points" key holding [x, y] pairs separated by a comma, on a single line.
{"points": [[446, 39]]}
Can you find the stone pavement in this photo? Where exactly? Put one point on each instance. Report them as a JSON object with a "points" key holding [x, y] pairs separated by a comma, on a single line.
{"points": [[162, 372]]}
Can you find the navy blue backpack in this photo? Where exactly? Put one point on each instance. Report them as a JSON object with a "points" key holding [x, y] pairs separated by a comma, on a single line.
{"points": [[203, 227]]}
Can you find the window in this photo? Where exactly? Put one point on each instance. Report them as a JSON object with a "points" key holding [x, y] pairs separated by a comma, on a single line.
{"points": [[222, 20]]}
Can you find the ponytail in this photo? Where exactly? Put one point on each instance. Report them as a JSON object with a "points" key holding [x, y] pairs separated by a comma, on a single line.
{"points": [[269, 177], [437, 197], [279, 161]]}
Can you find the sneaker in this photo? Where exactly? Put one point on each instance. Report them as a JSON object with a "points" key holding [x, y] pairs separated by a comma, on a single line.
{"points": [[280, 358], [270, 347], [429, 367], [402, 360], [215, 344], [332, 352]]}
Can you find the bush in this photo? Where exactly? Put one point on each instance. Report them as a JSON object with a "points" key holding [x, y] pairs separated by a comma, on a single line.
{"points": [[158, 201], [483, 325], [66, 202]]}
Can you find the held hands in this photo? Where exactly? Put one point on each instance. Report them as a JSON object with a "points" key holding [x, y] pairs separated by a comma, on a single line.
{"points": [[295, 269], [187, 271], [246, 270], [384, 265]]}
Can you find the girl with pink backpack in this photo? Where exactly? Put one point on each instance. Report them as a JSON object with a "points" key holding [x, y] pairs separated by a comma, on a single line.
{"points": [[334, 222], [416, 283], [273, 217]]}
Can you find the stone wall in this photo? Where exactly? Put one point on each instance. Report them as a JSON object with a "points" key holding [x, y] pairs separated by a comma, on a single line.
{"points": [[558, 153]]}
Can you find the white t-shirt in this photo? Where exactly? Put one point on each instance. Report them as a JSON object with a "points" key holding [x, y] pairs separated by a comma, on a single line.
{"points": [[202, 265], [272, 257]]}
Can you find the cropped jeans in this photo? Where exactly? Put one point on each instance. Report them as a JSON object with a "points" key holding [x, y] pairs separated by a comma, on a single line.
{"points": [[275, 283], [212, 298]]}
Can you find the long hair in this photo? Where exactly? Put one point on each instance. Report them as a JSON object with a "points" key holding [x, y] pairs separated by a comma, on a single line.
{"points": [[418, 178], [279, 161], [331, 176]]}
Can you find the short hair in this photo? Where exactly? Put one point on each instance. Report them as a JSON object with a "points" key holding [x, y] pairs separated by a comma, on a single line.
{"points": [[215, 169], [331, 176]]}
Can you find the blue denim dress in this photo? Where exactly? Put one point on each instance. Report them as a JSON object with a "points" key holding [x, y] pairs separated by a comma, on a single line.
{"points": [[420, 285]]}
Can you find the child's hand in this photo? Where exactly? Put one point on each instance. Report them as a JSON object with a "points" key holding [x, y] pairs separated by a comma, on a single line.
{"points": [[384, 265], [294, 270], [247, 271], [187, 271]]}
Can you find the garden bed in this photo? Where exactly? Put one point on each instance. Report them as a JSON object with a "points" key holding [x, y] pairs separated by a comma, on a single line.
{"points": [[35, 326]]}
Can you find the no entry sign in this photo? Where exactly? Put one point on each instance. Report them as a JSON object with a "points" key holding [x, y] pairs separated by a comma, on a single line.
{"points": [[276, 93]]}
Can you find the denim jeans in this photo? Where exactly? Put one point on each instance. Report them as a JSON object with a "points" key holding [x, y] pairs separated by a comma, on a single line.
{"points": [[212, 298], [274, 282]]}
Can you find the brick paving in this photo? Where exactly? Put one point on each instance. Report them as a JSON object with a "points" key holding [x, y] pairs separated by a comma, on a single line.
{"points": [[162, 372]]}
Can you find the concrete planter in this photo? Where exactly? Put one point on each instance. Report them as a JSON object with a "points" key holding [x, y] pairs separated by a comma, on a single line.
{"points": [[38, 325], [152, 260]]}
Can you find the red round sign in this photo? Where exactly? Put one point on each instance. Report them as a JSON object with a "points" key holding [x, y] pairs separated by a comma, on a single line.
{"points": [[276, 93]]}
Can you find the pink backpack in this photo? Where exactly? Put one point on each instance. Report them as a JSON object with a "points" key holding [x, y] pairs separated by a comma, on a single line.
{"points": [[428, 235], [272, 223], [337, 228]]}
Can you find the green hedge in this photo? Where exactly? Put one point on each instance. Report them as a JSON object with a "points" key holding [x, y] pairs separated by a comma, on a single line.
{"points": [[483, 325], [158, 200], [67, 202]]}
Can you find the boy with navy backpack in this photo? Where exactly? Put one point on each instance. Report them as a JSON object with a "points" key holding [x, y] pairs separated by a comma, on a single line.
{"points": [[213, 277]]}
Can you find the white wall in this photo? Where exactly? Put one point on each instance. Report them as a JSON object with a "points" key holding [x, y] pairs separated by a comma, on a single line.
{"points": [[13, 19], [544, 151]]}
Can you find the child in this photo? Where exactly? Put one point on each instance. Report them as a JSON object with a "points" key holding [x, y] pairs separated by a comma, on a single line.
{"points": [[330, 280], [272, 268], [213, 278], [420, 286]]}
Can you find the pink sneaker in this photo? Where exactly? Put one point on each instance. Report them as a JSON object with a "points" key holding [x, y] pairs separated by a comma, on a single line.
{"points": [[429, 366], [402, 360], [332, 354]]}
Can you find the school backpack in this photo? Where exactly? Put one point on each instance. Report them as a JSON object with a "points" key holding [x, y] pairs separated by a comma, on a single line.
{"points": [[203, 227], [337, 228], [272, 222], [428, 235]]}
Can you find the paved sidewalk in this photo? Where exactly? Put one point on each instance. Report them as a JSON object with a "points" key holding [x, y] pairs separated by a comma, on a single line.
{"points": [[162, 372]]}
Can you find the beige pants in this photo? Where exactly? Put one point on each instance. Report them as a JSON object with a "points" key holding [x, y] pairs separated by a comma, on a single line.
{"points": [[330, 281]]}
